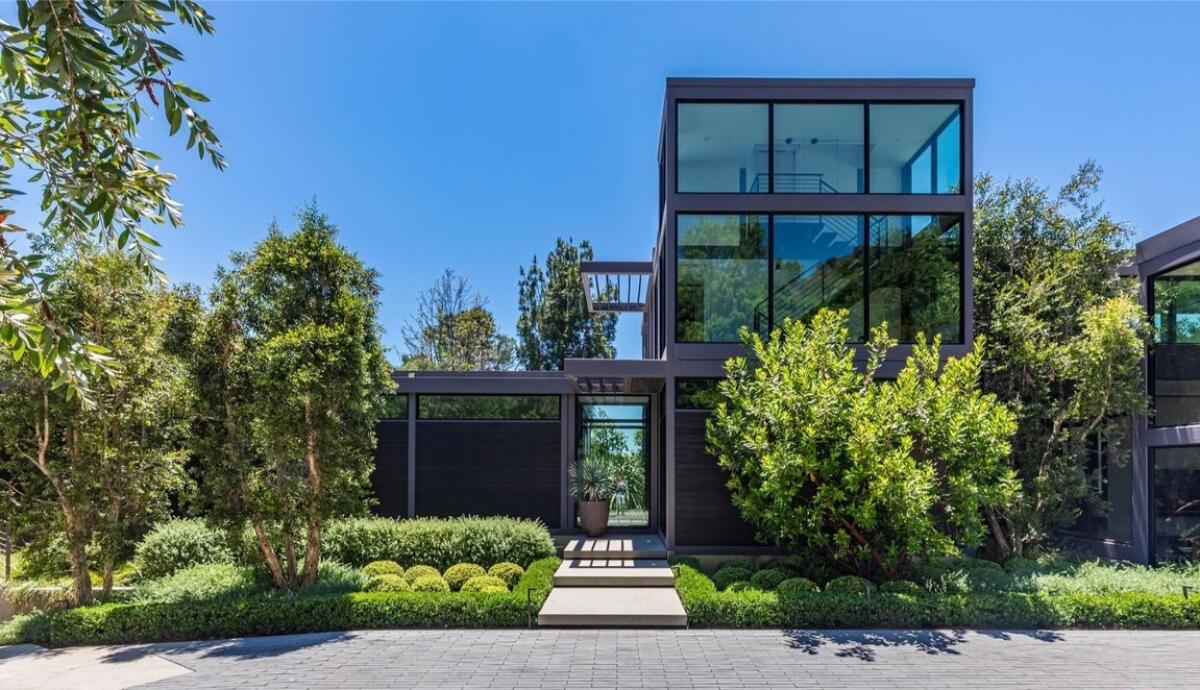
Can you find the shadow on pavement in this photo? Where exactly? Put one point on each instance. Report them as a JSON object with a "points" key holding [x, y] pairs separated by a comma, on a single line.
{"points": [[862, 644], [240, 648]]}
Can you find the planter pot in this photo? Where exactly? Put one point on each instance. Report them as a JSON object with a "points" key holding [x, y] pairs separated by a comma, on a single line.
{"points": [[593, 517]]}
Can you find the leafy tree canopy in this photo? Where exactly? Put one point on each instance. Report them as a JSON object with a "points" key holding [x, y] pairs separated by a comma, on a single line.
{"points": [[78, 76], [289, 373], [453, 330], [1065, 338], [555, 323], [862, 473]]}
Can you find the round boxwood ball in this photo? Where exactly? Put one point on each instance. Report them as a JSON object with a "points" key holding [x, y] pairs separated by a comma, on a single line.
{"points": [[458, 574], [744, 565], [901, 587], [430, 583], [770, 578], [383, 568], [484, 583], [726, 576], [796, 586], [510, 573], [388, 582], [848, 584], [420, 571]]}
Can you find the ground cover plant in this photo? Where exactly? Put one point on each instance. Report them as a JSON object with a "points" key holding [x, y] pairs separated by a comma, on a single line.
{"points": [[1054, 591]]}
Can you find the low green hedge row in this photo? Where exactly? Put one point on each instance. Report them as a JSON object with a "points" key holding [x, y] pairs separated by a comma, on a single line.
{"points": [[279, 615], [706, 607]]}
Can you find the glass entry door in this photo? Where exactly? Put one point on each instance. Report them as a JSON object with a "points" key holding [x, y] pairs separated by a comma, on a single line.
{"points": [[613, 429]]}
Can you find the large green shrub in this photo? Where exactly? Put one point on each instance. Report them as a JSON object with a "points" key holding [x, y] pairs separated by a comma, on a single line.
{"points": [[438, 542], [276, 614], [872, 473], [848, 584], [30, 597], [509, 573], [177, 544], [796, 586], [901, 587], [457, 574]]}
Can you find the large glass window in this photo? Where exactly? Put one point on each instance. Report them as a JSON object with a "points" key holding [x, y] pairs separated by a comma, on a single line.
{"points": [[395, 406], [818, 148], [1176, 503], [722, 147], [818, 263], [613, 431], [1175, 362], [1108, 511], [484, 407], [915, 276], [697, 394], [721, 277], [916, 149]]}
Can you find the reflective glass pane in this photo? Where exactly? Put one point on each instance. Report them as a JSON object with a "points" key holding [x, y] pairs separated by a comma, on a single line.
{"points": [[1175, 362], [916, 149], [722, 147], [395, 407], [501, 407], [613, 432], [721, 277], [1176, 503], [697, 394], [915, 276], [818, 148], [818, 263]]}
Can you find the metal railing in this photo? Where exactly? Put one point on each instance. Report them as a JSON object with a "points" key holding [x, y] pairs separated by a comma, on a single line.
{"points": [[791, 183]]}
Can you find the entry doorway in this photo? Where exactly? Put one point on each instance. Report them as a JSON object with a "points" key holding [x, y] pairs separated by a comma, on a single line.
{"points": [[616, 429]]}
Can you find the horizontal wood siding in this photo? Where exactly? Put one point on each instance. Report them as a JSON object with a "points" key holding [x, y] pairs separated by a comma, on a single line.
{"points": [[704, 515], [489, 468], [390, 477]]}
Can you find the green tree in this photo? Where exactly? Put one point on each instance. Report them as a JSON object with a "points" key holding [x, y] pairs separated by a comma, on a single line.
{"points": [[555, 323], [78, 76], [453, 330], [1065, 338], [866, 474], [289, 375], [98, 474]]}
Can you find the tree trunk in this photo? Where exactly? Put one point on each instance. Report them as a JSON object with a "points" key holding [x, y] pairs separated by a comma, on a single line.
{"points": [[268, 554], [998, 534], [108, 575], [312, 547], [81, 586]]}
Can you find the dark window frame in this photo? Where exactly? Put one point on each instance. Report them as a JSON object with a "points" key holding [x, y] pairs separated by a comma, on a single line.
{"points": [[556, 418], [1151, 355], [1152, 513], [866, 106], [865, 248], [680, 406]]}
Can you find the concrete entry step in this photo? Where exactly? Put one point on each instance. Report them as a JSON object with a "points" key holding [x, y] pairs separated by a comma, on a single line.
{"points": [[625, 607], [584, 572], [634, 546]]}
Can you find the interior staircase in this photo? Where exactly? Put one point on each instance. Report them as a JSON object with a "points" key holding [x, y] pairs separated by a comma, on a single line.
{"points": [[618, 582]]}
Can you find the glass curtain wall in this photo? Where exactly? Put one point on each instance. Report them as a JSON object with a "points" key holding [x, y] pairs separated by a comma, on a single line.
{"points": [[722, 147], [1175, 359], [721, 277], [1176, 503], [818, 149], [614, 430], [916, 149], [916, 276], [818, 263]]}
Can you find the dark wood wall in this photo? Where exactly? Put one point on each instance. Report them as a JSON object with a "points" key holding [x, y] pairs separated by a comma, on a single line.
{"points": [[489, 468], [704, 515], [390, 477]]}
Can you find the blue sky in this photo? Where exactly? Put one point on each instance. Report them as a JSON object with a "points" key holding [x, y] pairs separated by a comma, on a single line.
{"points": [[470, 136]]}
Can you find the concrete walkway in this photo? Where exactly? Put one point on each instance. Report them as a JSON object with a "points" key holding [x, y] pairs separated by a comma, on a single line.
{"points": [[650, 659], [27, 666]]}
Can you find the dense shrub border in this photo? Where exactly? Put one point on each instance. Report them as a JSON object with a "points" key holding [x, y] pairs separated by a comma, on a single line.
{"points": [[706, 607], [280, 615]]}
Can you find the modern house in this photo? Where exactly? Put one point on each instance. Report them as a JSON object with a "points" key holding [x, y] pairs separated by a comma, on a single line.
{"points": [[1152, 487], [776, 197]]}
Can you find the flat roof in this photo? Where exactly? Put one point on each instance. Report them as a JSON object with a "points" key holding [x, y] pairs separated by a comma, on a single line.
{"points": [[917, 82]]}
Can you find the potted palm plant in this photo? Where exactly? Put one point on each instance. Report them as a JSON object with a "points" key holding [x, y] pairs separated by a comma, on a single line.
{"points": [[591, 484]]}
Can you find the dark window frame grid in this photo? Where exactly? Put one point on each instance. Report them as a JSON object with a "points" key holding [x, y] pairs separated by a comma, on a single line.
{"points": [[556, 418]]}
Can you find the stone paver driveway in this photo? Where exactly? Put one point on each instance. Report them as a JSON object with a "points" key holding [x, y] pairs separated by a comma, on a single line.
{"points": [[690, 658]]}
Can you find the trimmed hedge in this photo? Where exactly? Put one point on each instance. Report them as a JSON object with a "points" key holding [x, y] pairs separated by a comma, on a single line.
{"points": [[420, 571], [707, 607], [509, 573], [439, 542], [383, 568], [457, 575], [388, 582], [282, 615], [430, 583], [484, 583]]}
